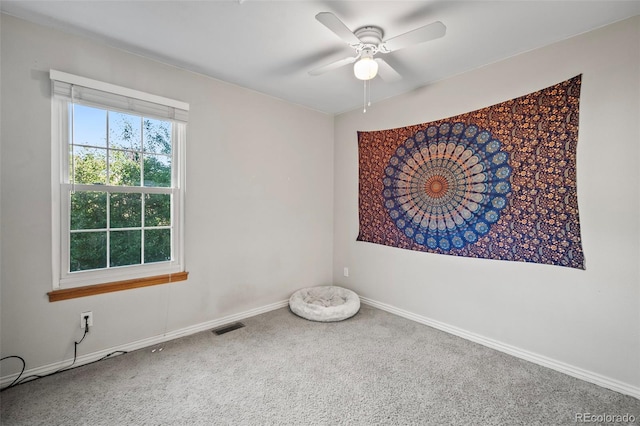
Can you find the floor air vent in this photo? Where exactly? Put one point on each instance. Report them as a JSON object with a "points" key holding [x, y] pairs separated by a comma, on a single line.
{"points": [[228, 328]]}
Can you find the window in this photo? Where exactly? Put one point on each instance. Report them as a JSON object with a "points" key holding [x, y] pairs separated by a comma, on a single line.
{"points": [[118, 182]]}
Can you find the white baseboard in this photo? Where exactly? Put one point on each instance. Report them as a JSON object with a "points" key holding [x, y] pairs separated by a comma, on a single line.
{"points": [[562, 367], [151, 341], [544, 361]]}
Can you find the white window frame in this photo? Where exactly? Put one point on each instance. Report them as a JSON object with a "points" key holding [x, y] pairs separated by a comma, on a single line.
{"points": [[67, 89]]}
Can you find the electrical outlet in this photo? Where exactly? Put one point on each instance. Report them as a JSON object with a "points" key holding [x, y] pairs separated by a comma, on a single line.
{"points": [[90, 319], [346, 272]]}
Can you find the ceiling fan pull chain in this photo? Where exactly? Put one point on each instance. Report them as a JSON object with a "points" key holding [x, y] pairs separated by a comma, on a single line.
{"points": [[364, 101], [367, 95]]}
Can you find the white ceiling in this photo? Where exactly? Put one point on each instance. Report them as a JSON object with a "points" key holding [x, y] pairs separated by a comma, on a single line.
{"points": [[269, 46]]}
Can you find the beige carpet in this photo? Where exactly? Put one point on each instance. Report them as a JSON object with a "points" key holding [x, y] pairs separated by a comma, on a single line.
{"points": [[375, 368]]}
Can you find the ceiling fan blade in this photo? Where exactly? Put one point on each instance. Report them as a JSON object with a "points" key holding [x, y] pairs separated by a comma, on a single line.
{"points": [[386, 71], [332, 22], [419, 35], [333, 65]]}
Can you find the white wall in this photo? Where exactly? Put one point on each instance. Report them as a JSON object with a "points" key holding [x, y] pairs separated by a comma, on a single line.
{"points": [[259, 202], [587, 319]]}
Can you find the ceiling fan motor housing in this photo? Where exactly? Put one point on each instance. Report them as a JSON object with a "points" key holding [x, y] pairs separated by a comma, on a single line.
{"points": [[370, 37]]}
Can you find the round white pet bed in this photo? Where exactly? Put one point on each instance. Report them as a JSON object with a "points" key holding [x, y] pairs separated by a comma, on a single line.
{"points": [[324, 303]]}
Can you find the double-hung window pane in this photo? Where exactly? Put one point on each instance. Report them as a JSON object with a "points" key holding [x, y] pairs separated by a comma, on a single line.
{"points": [[121, 189]]}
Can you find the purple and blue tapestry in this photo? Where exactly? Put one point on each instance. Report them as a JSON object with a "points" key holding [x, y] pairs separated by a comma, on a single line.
{"points": [[496, 183]]}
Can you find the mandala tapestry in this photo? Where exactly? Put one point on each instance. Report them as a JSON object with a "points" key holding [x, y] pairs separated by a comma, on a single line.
{"points": [[496, 183]]}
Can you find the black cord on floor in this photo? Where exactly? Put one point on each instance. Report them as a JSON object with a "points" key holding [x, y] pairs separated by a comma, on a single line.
{"points": [[19, 381], [24, 364]]}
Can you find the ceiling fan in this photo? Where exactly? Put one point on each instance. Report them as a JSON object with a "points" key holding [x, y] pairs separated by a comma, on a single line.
{"points": [[367, 42]]}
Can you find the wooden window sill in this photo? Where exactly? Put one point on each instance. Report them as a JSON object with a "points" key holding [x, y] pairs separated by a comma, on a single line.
{"points": [[91, 290]]}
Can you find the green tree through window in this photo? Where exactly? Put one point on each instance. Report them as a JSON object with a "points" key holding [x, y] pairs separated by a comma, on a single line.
{"points": [[114, 221]]}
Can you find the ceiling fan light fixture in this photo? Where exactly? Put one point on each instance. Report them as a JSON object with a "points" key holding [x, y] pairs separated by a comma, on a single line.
{"points": [[366, 68]]}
